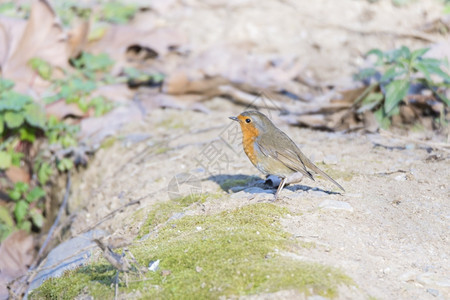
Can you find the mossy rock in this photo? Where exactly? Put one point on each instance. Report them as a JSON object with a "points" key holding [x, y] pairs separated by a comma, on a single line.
{"points": [[236, 252]]}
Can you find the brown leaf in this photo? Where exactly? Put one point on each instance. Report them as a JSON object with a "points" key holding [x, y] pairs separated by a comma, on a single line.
{"points": [[119, 38], [42, 37], [10, 31], [78, 36], [60, 109], [16, 254], [16, 174], [180, 83], [118, 93]]}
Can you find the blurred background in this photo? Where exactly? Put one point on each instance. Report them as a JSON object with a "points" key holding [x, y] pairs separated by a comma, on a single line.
{"points": [[110, 101]]}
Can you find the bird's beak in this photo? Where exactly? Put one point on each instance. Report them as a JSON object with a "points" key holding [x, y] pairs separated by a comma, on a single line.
{"points": [[234, 119]]}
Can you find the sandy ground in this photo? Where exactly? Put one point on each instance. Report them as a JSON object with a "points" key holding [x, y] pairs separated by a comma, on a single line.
{"points": [[388, 231]]}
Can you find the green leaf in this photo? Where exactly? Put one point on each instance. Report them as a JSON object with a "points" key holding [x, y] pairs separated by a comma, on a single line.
{"points": [[13, 101], [35, 115], [438, 71], [13, 119], [376, 52], [27, 134], [35, 194], [22, 187], [364, 74], [65, 164], [391, 73], [446, 9], [5, 217], [5, 160], [16, 157], [25, 225], [6, 223], [418, 53], [369, 102], [43, 68], [15, 195], [395, 92], [6, 84], [381, 118], [421, 68], [37, 218], [2, 124], [116, 12], [44, 173], [20, 210], [68, 141]]}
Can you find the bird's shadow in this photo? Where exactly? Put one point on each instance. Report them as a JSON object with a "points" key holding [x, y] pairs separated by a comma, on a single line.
{"points": [[239, 182]]}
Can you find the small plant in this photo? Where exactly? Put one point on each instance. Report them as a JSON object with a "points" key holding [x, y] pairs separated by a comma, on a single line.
{"points": [[26, 209], [91, 71], [396, 74], [22, 122]]}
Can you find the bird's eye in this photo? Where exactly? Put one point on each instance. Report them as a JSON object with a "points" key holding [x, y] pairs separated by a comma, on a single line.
{"points": [[248, 120]]}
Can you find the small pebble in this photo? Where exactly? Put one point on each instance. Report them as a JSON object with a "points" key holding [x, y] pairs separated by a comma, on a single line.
{"points": [[337, 205], [236, 189], [199, 228], [198, 269], [433, 292], [401, 177], [153, 265], [166, 272], [410, 146]]}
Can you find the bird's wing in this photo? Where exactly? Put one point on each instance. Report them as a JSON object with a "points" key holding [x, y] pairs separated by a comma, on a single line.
{"points": [[287, 157], [293, 158]]}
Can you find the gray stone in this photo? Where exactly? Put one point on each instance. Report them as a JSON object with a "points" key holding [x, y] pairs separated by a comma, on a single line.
{"points": [[257, 190], [153, 265], [68, 255], [336, 205], [433, 292], [236, 189]]}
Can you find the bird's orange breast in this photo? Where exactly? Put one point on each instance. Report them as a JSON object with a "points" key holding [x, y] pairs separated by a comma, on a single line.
{"points": [[249, 135]]}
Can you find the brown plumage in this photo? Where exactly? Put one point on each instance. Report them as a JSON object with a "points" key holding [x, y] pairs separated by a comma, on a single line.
{"points": [[271, 151]]}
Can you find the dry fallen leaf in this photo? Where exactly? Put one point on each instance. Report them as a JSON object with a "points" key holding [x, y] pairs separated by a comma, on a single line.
{"points": [[60, 109], [42, 36], [16, 174], [16, 254], [119, 38]]}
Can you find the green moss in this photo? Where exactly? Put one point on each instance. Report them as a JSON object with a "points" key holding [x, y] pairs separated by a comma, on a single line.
{"points": [[161, 212], [108, 142], [171, 123], [230, 253], [162, 150], [98, 278]]}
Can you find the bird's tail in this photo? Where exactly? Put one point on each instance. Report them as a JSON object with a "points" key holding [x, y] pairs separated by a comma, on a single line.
{"points": [[319, 171]]}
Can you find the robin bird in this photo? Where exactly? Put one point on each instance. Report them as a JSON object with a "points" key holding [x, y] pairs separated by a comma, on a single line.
{"points": [[271, 151]]}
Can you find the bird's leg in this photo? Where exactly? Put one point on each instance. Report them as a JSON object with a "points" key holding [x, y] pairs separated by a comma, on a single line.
{"points": [[280, 187]]}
